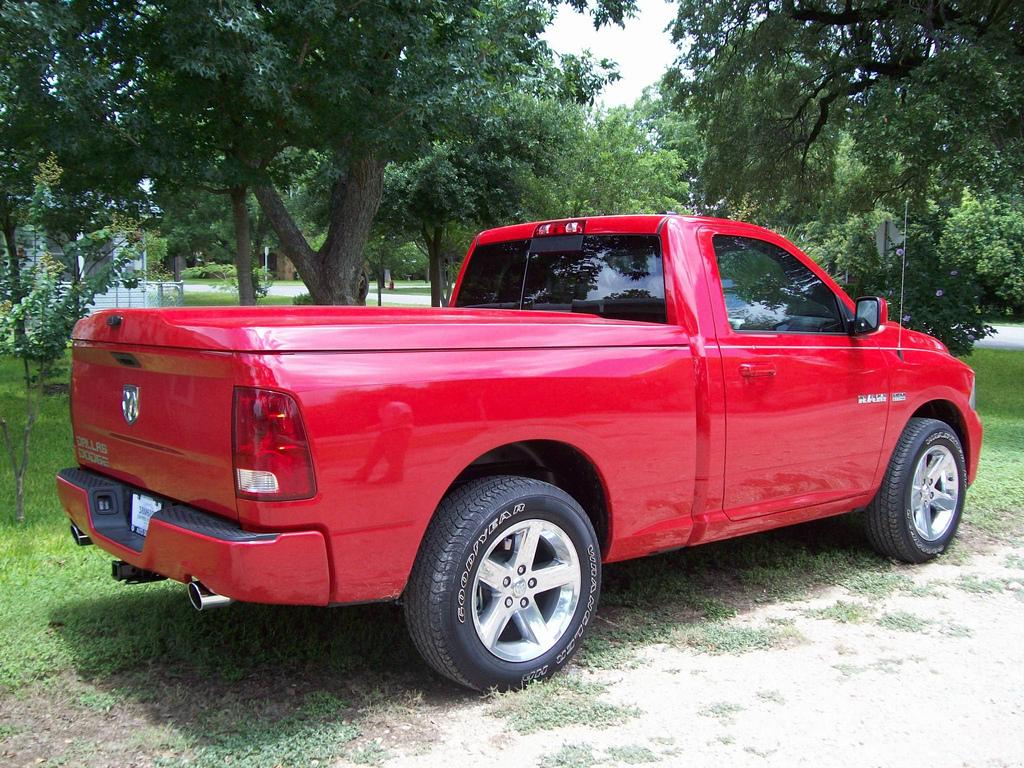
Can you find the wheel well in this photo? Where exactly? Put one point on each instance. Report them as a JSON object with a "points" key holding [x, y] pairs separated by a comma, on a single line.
{"points": [[553, 462], [945, 411]]}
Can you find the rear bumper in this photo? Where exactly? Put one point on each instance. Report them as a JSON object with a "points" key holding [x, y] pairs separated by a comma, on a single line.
{"points": [[185, 543]]}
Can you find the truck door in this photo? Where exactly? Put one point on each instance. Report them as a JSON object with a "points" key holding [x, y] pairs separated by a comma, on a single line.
{"points": [[806, 403]]}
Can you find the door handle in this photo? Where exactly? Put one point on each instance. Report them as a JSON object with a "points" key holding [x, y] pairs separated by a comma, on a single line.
{"points": [[757, 370]]}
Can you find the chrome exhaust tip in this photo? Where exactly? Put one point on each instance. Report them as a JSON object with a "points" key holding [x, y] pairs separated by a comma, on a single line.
{"points": [[81, 538], [203, 599]]}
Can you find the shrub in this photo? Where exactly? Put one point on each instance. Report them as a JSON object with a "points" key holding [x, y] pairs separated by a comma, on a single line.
{"points": [[211, 271]]}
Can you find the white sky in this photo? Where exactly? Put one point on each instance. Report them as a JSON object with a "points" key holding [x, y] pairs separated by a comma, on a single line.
{"points": [[643, 49]]}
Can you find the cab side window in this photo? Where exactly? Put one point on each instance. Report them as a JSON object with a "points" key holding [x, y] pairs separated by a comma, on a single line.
{"points": [[768, 289]]}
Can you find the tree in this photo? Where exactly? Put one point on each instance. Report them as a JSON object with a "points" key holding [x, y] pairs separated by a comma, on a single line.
{"points": [[49, 103], [941, 293], [249, 95], [477, 180], [824, 118], [32, 331], [393, 251], [207, 92], [23, 125], [613, 163], [197, 226], [38, 311], [429, 69], [921, 89], [984, 237]]}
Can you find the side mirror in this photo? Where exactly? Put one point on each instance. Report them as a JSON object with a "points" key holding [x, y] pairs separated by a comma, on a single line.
{"points": [[872, 314]]}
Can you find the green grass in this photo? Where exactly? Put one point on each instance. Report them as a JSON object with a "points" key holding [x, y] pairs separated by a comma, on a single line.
{"points": [[98, 701], [844, 612], [570, 756], [252, 738], [563, 700], [771, 696], [1011, 320], [720, 710], [903, 621], [978, 586], [996, 500], [876, 584], [229, 299], [632, 754], [720, 637], [405, 287], [369, 754], [954, 629]]}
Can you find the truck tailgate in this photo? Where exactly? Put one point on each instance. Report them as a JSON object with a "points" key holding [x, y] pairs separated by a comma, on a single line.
{"points": [[158, 418]]}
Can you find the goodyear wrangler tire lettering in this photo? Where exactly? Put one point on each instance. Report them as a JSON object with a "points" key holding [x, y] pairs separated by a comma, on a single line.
{"points": [[471, 559], [590, 608], [542, 567]]}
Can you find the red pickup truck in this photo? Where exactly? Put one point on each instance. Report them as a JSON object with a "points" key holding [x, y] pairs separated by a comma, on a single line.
{"points": [[600, 389]]}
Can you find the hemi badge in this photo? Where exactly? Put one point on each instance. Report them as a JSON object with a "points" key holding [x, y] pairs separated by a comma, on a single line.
{"points": [[899, 397]]}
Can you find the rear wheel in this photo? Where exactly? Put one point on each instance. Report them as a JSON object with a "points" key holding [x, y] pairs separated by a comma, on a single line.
{"points": [[505, 584], [917, 510]]}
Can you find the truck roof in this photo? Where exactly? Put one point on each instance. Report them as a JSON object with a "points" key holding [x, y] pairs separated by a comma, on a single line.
{"points": [[638, 224]]}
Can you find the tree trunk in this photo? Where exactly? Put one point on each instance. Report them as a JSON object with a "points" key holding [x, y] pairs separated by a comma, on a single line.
{"points": [[243, 247], [434, 237], [10, 241], [333, 272], [13, 264], [18, 455]]}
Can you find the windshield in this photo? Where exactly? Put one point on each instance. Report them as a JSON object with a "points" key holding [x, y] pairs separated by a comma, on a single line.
{"points": [[614, 276]]}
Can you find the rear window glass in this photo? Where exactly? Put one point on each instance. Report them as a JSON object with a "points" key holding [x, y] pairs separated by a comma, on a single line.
{"points": [[494, 277], [614, 276]]}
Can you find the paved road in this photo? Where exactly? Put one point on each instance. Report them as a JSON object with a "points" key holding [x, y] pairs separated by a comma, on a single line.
{"points": [[412, 300], [1005, 337], [408, 299]]}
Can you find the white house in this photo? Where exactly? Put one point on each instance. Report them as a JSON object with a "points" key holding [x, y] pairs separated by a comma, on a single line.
{"points": [[144, 294]]}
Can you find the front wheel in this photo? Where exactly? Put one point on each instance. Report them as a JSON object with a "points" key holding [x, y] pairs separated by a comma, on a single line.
{"points": [[916, 512], [505, 583]]}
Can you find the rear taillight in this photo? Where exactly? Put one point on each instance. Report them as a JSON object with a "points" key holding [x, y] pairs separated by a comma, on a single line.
{"points": [[271, 453]]}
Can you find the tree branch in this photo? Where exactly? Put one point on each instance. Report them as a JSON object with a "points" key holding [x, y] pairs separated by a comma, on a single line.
{"points": [[292, 239]]}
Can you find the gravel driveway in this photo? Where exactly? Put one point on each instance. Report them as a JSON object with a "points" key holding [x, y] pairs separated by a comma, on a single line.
{"points": [[929, 674]]}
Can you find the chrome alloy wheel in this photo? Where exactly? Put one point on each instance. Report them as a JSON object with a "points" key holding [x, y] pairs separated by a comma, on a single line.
{"points": [[934, 493], [526, 591]]}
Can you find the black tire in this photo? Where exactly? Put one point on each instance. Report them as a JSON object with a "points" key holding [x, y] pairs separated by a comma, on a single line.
{"points": [[889, 518], [439, 601]]}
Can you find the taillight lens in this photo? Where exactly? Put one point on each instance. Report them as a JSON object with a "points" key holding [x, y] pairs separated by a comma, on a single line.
{"points": [[271, 453], [547, 229]]}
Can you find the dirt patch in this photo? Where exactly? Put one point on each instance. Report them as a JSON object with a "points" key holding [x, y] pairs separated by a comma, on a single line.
{"points": [[69, 722], [936, 683]]}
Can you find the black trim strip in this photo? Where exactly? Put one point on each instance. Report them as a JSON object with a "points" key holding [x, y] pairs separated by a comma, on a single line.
{"points": [[556, 243], [115, 521]]}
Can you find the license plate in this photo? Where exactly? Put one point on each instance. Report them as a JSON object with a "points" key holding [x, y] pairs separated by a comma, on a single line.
{"points": [[143, 508]]}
